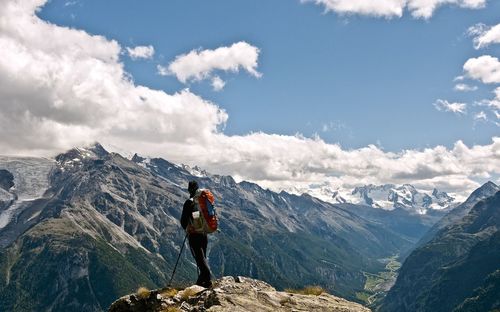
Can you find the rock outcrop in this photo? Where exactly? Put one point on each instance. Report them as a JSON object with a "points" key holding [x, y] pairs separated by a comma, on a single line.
{"points": [[235, 294]]}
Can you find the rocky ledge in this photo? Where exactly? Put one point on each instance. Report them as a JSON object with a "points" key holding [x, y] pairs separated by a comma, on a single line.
{"points": [[235, 294]]}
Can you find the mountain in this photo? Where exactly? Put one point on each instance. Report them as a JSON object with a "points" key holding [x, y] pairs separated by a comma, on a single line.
{"points": [[458, 269], [236, 294], [307, 237], [90, 226], [23, 182], [406, 224], [391, 197], [486, 190]]}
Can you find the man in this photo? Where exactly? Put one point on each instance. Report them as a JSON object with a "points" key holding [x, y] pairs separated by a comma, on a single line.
{"points": [[197, 241]]}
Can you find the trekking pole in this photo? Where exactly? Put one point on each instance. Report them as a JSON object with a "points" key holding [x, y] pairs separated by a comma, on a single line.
{"points": [[176, 262]]}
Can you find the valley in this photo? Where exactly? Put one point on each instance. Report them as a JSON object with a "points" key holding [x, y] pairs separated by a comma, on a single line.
{"points": [[106, 224], [377, 285]]}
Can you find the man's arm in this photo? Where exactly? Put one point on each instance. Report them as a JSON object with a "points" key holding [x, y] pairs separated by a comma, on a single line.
{"points": [[187, 210]]}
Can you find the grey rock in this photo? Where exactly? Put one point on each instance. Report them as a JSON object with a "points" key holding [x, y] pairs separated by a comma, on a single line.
{"points": [[234, 294]]}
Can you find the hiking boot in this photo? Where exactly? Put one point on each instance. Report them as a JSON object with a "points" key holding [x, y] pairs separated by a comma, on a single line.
{"points": [[206, 284]]}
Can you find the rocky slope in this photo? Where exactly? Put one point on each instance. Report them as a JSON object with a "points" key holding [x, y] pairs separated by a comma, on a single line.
{"points": [[105, 224], [486, 190], [457, 270], [23, 180], [237, 294]]}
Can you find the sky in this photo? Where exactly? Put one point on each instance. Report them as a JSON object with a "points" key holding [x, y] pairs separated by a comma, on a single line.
{"points": [[298, 95]]}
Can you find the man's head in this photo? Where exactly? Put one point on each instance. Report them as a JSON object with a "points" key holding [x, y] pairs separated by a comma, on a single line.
{"points": [[192, 187]]}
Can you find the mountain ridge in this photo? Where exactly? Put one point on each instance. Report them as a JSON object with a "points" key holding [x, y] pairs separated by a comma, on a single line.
{"points": [[102, 209], [386, 196], [457, 267]]}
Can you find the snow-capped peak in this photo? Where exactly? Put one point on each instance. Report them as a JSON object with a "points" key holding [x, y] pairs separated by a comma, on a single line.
{"points": [[195, 171], [389, 197]]}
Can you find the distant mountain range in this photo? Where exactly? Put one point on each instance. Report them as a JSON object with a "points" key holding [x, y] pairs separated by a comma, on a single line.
{"points": [[390, 197], [386, 197], [457, 266], [80, 230]]}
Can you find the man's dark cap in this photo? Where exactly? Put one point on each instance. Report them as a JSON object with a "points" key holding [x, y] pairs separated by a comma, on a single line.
{"points": [[192, 186]]}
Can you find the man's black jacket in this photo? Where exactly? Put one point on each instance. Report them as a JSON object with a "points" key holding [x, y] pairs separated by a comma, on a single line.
{"points": [[187, 213]]}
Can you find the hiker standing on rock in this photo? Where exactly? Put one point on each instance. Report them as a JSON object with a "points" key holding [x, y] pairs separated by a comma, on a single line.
{"points": [[199, 219]]}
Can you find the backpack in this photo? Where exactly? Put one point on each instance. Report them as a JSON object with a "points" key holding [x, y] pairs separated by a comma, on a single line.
{"points": [[204, 218]]}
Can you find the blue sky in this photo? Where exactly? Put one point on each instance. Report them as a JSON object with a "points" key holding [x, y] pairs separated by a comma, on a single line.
{"points": [[353, 80], [304, 96]]}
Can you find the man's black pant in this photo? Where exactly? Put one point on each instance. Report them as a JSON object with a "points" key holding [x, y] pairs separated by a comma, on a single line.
{"points": [[198, 244]]}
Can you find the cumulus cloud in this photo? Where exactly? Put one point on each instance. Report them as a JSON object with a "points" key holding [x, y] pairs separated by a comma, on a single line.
{"points": [[444, 105], [393, 8], [485, 68], [462, 87], [141, 52], [217, 83], [382, 8], [426, 8], [200, 64], [484, 35], [62, 87]]}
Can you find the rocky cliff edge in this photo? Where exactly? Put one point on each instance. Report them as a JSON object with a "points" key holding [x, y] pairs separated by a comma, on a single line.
{"points": [[235, 294]]}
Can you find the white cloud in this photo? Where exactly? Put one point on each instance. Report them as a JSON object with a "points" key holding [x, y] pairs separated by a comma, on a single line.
{"points": [[333, 126], [464, 87], [484, 35], [444, 105], [382, 8], [62, 87], [200, 64], [217, 83], [492, 103], [162, 70], [70, 3], [393, 8], [426, 8], [485, 68], [141, 52], [481, 116]]}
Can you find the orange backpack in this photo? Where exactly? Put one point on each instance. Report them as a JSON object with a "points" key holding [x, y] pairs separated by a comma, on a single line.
{"points": [[205, 218]]}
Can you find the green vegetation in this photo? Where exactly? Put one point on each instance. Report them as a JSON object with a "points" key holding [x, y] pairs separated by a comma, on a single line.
{"points": [[378, 284], [54, 258], [455, 271], [307, 260]]}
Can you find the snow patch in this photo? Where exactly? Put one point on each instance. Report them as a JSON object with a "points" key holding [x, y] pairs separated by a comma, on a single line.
{"points": [[31, 180]]}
